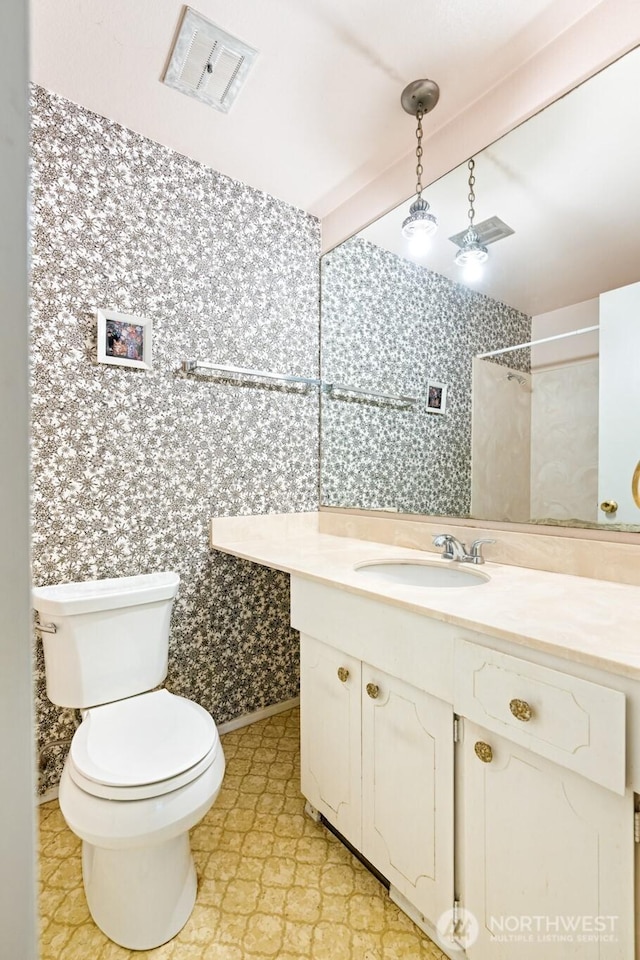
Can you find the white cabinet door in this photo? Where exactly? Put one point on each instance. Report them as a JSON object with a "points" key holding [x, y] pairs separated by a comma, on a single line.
{"points": [[549, 858], [407, 790], [330, 735]]}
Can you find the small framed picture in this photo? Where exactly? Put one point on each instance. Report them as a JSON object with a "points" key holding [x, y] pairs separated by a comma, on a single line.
{"points": [[124, 340], [436, 397]]}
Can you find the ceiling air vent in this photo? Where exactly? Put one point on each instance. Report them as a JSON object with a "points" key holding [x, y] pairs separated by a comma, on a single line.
{"points": [[488, 232], [207, 63]]}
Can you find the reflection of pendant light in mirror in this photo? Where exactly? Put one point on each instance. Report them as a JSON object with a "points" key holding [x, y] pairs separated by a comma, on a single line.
{"points": [[472, 254], [417, 99]]}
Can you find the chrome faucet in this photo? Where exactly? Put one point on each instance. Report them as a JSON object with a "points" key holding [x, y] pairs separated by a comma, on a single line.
{"points": [[455, 549]]}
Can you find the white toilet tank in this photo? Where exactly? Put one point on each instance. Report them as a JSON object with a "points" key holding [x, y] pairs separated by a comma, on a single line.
{"points": [[105, 640]]}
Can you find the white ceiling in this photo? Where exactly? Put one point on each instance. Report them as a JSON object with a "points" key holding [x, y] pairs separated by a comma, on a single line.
{"points": [[319, 117], [567, 182]]}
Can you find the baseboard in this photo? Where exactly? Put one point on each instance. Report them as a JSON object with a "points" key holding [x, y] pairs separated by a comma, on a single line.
{"points": [[248, 718], [453, 952], [244, 721], [48, 795]]}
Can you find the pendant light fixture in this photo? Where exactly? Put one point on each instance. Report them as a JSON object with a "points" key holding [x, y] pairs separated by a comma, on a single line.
{"points": [[472, 254], [418, 98]]}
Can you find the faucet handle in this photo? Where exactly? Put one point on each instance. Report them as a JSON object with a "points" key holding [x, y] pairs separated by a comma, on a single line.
{"points": [[475, 554]]}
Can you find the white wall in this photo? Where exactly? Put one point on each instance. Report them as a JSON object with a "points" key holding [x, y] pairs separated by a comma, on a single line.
{"points": [[17, 869], [564, 415], [564, 442], [500, 442], [583, 346], [619, 402]]}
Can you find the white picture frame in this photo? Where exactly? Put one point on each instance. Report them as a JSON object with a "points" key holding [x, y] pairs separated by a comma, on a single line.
{"points": [[436, 397], [124, 340]]}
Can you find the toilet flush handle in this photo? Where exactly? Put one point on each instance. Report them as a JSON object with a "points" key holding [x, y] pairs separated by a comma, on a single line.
{"points": [[46, 627]]}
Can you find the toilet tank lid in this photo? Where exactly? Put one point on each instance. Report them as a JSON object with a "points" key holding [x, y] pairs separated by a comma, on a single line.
{"points": [[67, 599]]}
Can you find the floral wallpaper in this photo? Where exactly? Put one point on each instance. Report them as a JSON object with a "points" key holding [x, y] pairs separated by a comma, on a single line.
{"points": [[389, 326], [128, 464]]}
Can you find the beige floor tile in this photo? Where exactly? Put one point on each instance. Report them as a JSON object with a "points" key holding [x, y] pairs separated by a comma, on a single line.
{"points": [[53, 940], [111, 951], [251, 868], [272, 882]]}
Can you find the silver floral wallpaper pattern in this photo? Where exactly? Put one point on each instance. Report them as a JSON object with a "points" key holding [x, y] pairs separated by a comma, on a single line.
{"points": [[389, 325], [128, 465]]}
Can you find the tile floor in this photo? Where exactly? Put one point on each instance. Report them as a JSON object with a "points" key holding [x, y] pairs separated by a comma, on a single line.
{"points": [[272, 883]]}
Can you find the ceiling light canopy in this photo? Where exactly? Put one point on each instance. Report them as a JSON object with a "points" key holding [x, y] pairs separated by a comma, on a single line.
{"points": [[418, 98]]}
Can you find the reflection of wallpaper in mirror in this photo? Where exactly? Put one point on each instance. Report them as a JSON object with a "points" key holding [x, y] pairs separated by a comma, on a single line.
{"points": [[389, 326]]}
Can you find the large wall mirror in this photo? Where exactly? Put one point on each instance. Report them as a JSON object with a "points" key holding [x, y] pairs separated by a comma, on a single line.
{"points": [[427, 411]]}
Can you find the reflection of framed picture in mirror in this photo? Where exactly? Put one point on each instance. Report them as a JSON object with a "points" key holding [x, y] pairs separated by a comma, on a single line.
{"points": [[124, 340], [436, 397]]}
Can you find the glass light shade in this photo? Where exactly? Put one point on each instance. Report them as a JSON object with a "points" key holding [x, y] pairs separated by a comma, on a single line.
{"points": [[472, 271], [471, 251], [419, 245], [419, 221]]}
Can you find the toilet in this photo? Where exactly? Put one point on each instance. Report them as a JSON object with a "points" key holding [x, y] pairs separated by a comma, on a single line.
{"points": [[145, 765]]}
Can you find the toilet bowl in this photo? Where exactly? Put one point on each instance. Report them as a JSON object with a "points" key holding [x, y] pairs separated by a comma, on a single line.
{"points": [[138, 872], [142, 769]]}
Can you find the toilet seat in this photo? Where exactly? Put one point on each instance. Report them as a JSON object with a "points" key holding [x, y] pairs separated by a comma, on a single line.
{"points": [[141, 747]]}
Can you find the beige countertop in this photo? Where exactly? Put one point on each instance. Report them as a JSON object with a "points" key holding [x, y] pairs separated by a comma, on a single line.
{"points": [[588, 621]]}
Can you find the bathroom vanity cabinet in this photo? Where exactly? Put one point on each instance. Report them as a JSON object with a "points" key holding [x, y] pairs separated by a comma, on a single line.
{"points": [[546, 853], [378, 764], [492, 785]]}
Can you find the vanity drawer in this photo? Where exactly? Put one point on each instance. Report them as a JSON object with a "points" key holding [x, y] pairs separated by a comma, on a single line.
{"points": [[577, 724]]}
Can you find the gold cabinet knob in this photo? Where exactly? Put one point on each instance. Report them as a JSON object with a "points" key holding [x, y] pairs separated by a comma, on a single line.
{"points": [[343, 674], [483, 751], [373, 690], [609, 506], [521, 710]]}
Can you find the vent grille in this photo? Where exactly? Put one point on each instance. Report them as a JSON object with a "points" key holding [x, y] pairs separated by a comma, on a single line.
{"points": [[207, 63], [194, 70], [488, 232], [228, 65]]}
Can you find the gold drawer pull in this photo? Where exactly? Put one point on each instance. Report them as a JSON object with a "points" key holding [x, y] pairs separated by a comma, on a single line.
{"points": [[373, 690], [343, 674], [609, 506], [521, 710], [483, 751]]}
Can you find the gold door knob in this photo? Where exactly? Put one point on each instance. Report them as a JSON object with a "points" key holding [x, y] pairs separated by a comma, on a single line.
{"points": [[483, 751], [373, 690], [609, 506], [521, 710], [635, 485], [343, 674]]}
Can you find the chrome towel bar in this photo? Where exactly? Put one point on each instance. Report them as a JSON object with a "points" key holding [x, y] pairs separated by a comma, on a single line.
{"points": [[345, 388], [193, 366]]}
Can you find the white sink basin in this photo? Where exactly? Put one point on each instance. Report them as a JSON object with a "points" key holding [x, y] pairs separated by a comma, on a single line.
{"points": [[421, 573]]}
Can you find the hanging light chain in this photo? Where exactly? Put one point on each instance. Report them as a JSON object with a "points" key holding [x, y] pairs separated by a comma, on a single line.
{"points": [[417, 99], [472, 253], [419, 151], [471, 196]]}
